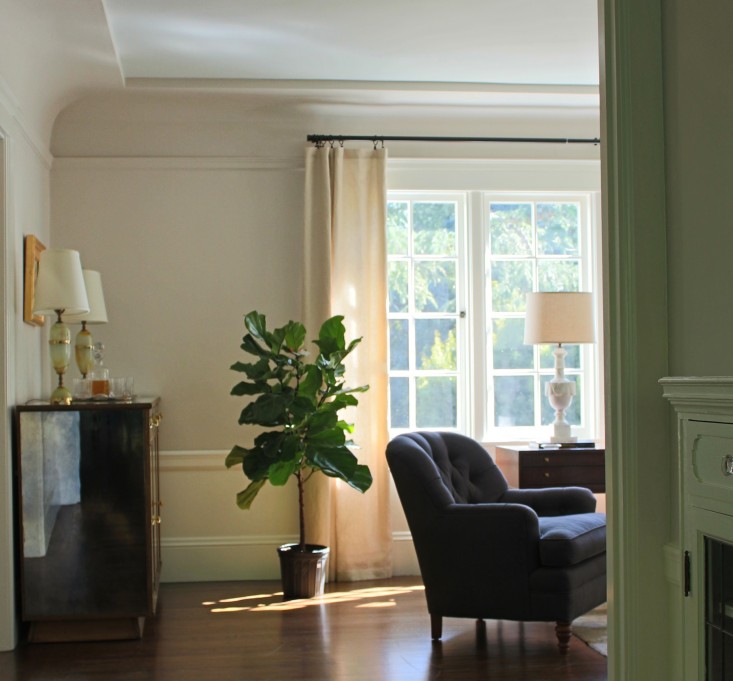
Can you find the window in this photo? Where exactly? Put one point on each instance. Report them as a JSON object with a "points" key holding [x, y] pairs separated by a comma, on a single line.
{"points": [[533, 243], [426, 260], [460, 265]]}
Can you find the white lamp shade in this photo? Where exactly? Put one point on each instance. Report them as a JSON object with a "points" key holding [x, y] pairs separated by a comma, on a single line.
{"points": [[562, 317], [60, 284], [97, 309]]}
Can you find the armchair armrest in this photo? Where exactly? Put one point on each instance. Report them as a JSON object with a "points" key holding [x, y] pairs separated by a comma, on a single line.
{"points": [[478, 553], [553, 500]]}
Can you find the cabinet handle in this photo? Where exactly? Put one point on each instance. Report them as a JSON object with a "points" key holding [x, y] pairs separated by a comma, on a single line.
{"points": [[728, 465], [547, 459], [547, 475]]}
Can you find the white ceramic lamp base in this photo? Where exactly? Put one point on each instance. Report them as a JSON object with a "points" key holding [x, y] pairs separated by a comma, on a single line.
{"points": [[560, 392]]}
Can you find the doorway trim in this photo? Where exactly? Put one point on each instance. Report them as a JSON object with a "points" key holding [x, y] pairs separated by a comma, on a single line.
{"points": [[8, 624], [636, 338]]}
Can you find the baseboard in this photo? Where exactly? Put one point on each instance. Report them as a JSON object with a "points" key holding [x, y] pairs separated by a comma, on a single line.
{"points": [[214, 559]]}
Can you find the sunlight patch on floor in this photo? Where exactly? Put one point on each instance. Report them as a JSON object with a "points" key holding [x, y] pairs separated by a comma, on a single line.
{"points": [[372, 597]]}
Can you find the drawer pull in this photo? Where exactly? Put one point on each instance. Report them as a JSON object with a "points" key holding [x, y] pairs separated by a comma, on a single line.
{"points": [[547, 475], [728, 465]]}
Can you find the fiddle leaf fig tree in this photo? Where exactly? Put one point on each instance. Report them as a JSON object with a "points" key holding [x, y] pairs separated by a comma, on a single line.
{"points": [[298, 402]]}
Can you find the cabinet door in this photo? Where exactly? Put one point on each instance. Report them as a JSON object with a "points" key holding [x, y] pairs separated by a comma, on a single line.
{"points": [[708, 609], [83, 513]]}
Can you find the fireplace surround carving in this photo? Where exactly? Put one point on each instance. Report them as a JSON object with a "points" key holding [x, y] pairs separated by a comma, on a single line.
{"points": [[704, 409]]}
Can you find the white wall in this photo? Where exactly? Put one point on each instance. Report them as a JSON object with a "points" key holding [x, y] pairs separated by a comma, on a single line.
{"points": [[191, 206], [699, 146], [698, 109], [25, 210]]}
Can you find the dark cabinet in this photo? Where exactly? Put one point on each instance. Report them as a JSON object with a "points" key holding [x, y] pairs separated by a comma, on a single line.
{"points": [[88, 518]]}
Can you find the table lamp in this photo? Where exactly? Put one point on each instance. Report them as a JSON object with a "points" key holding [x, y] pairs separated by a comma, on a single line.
{"points": [[561, 317], [84, 345], [60, 289]]}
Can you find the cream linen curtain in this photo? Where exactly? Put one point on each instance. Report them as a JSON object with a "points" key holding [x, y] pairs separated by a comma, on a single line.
{"points": [[345, 274]]}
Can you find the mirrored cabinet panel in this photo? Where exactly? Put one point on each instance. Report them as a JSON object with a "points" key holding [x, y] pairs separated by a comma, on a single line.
{"points": [[89, 518]]}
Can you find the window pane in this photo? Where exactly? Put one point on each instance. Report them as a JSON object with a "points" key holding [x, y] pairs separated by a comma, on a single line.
{"points": [[547, 356], [510, 229], [510, 282], [572, 415], [399, 403], [558, 275], [397, 273], [435, 344], [399, 344], [435, 286], [513, 401], [436, 402], [510, 352], [434, 228], [558, 228], [397, 224]]}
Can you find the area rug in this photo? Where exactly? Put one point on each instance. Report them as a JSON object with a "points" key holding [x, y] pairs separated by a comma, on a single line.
{"points": [[592, 629]]}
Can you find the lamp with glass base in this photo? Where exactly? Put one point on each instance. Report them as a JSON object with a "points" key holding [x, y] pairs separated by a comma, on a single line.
{"points": [[60, 289], [84, 344], [560, 317]]}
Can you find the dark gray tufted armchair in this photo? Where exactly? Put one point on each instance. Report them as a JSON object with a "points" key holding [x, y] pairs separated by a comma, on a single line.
{"points": [[490, 552]]}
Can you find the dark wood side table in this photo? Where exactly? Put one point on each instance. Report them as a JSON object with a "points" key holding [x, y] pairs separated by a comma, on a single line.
{"points": [[548, 467]]}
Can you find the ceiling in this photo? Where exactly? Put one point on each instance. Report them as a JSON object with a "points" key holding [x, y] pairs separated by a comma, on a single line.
{"points": [[474, 43], [459, 53]]}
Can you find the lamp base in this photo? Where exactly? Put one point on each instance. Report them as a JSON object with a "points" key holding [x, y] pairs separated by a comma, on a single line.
{"points": [[61, 395], [555, 439]]}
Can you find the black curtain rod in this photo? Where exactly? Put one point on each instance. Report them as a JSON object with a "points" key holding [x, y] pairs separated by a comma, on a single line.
{"points": [[319, 140]]}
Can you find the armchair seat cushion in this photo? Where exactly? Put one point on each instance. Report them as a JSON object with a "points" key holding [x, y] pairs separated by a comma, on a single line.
{"points": [[571, 539]]}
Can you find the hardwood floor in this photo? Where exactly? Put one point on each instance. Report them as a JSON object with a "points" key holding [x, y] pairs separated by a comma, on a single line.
{"points": [[359, 631]]}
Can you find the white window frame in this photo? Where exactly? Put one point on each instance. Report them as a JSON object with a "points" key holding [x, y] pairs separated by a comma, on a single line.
{"points": [[477, 179], [484, 419], [463, 336]]}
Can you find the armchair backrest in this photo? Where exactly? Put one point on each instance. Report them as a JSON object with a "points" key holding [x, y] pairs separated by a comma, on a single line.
{"points": [[438, 469]]}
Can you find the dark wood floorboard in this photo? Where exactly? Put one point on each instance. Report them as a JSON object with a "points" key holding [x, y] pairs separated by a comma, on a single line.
{"points": [[360, 631]]}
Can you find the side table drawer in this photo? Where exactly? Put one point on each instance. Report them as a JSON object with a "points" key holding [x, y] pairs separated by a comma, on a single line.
{"points": [[563, 468], [592, 477]]}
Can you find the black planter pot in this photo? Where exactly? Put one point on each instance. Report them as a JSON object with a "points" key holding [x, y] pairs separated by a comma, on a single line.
{"points": [[303, 573]]}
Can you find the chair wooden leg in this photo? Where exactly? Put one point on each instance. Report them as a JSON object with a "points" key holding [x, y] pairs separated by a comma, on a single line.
{"points": [[436, 627], [563, 631]]}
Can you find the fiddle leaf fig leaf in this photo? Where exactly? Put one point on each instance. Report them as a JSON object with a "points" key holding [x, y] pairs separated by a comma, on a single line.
{"points": [[267, 410], [256, 464], [246, 388], [247, 495], [333, 437], [281, 471], [310, 383], [236, 456], [361, 479], [256, 324], [250, 345], [331, 336], [294, 336], [336, 462]]}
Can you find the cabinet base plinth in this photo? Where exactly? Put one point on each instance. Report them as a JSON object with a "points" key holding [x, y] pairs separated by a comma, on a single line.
{"points": [[60, 631]]}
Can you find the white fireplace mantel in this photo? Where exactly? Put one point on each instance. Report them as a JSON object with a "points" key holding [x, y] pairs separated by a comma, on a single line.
{"points": [[704, 409]]}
